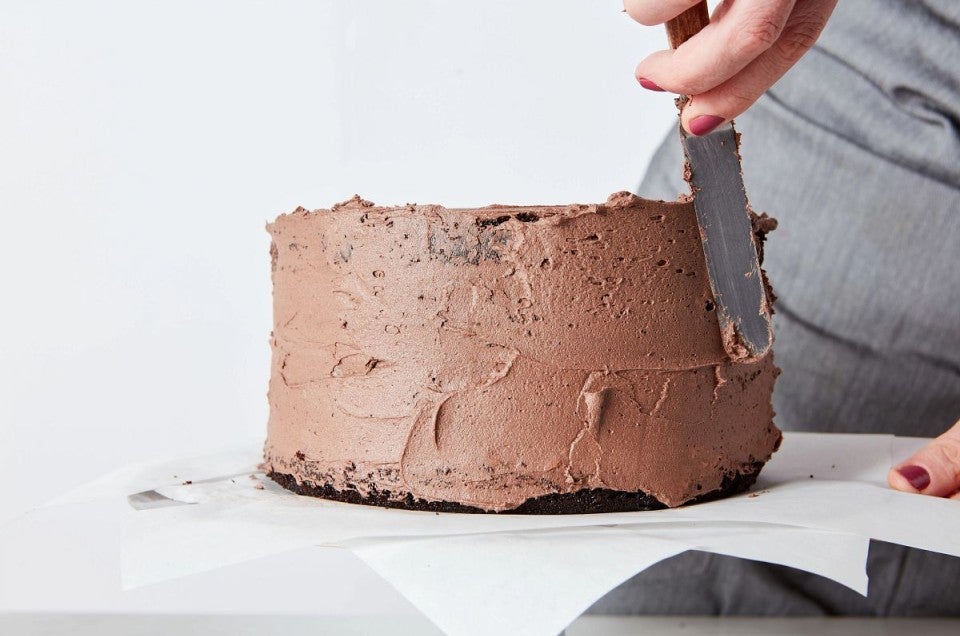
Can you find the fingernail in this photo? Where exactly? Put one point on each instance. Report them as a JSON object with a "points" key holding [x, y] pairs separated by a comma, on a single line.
{"points": [[918, 476], [704, 124], [647, 84]]}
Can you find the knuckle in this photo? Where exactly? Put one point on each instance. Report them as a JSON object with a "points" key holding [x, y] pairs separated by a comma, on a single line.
{"points": [[946, 453], [758, 34], [740, 99], [797, 39]]}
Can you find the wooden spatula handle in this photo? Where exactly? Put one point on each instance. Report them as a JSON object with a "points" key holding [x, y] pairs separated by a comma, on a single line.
{"points": [[688, 24]]}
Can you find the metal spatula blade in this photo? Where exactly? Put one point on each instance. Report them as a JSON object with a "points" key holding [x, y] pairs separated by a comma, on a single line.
{"points": [[720, 201], [726, 230]]}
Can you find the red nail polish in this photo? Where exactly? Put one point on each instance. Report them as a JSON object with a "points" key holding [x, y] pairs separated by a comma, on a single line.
{"points": [[647, 84], [918, 476], [704, 124]]}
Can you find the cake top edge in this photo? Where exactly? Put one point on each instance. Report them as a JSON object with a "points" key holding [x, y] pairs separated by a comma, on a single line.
{"points": [[616, 200]]}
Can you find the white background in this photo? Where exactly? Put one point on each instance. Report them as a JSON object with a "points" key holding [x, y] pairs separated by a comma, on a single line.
{"points": [[143, 146]]}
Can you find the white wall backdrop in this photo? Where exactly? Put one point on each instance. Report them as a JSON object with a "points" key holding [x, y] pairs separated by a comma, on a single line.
{"points": [[143, 145]]}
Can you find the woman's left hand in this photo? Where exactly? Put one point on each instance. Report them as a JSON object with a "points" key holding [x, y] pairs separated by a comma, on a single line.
{"points": [[933, 470]]}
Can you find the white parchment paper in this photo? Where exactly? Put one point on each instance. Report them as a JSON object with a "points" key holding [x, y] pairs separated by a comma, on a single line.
{"points": [[816, 506]]}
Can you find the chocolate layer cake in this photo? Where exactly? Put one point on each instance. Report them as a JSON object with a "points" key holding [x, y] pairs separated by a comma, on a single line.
{"points": [[507, 359]]}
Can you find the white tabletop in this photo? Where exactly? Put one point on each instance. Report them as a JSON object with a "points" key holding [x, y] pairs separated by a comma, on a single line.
{"points": [[243, 625]]}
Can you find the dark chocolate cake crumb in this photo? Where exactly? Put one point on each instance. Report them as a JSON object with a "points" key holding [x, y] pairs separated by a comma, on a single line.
{"points": [[588, 501]]}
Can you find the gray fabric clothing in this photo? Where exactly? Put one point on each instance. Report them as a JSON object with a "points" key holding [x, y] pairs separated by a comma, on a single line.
{"points": [[857, 153]]}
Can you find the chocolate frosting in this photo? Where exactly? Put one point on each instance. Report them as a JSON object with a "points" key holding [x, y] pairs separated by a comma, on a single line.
{"points": [[493, 355]]}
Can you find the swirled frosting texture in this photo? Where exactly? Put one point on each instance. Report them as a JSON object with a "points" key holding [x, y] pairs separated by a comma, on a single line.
{"points": [[492, 355]]}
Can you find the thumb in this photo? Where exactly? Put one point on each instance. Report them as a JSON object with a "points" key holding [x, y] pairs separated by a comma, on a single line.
{"points": [[933, 470]]}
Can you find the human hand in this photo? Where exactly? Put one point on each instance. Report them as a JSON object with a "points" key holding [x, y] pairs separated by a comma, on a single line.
{"points": [[726, 67], [933, 470]]}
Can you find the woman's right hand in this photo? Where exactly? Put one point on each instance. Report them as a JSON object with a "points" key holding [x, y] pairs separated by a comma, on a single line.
{"points": [[726, 67]]}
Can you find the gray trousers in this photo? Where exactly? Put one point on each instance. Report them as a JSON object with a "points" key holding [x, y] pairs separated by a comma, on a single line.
{"points": [[857, 153]]}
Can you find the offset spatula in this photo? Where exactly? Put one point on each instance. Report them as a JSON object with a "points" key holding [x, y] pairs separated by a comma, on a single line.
{"points": [[720, 202]]}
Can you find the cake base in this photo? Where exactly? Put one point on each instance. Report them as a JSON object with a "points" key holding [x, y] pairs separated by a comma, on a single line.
{"points": [[588, 501]]}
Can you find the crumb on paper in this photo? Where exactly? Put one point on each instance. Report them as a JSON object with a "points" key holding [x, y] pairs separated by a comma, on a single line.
{"points": [[188, 482], [256, 481]]}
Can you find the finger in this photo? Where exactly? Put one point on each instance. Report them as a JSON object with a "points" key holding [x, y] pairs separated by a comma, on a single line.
{"points": [[933, 470], [706, 111], [722, 49], [651, 12]]}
